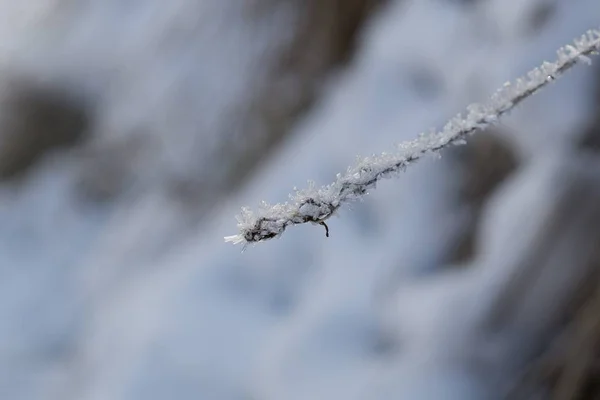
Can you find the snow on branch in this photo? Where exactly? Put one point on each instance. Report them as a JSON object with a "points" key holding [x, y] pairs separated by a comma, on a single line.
{"points": [[317, 205]]}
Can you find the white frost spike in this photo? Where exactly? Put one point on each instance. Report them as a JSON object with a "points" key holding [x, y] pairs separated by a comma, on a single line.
{"points": [[235, 239], [317, 205], [585, 59]]}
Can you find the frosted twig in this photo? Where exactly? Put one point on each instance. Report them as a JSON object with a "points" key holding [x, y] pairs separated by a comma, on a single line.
{"points": [[317, 205]]}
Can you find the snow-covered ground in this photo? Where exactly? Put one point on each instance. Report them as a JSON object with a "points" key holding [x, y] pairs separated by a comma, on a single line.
{"points": [[138, 297]]}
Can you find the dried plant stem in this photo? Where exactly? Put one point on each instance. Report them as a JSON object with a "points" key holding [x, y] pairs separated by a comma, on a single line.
{"points": [[317, 205]]}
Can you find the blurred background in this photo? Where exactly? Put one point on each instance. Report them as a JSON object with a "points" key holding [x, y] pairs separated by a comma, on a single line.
{"points": [[131, 133]]}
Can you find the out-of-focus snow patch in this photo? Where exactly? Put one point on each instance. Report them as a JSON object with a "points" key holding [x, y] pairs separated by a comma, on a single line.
{"points": [[489, 319], [147, 77], [41, 305]]}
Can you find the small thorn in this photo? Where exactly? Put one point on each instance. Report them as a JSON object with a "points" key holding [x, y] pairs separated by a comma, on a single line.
{"points": [[326, 228]]}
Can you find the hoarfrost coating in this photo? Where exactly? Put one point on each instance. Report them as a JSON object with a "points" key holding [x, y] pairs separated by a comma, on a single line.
{"points": [[317, 205]]}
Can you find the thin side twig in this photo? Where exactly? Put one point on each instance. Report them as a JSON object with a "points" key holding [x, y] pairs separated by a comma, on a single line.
{"points": [[317, 205]]}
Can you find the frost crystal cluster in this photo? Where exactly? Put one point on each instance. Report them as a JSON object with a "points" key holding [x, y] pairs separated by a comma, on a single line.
{"points": [[317, 205]]}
